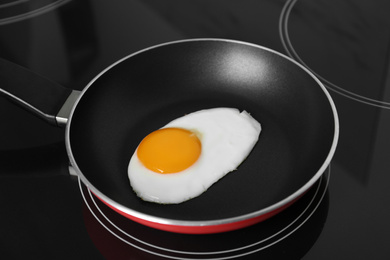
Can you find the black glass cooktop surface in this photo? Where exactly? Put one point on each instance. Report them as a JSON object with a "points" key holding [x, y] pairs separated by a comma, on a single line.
{"points": [[46, 213]]}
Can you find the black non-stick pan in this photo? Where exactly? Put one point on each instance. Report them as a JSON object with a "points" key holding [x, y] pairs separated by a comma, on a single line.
{"points": [[145, 90]]}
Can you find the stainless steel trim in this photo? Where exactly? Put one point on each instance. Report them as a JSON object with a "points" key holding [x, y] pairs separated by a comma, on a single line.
{"points": [[64, 113], [72, 171]]}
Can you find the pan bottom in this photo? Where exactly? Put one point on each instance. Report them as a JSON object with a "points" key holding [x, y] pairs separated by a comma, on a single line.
{"points": [[297, 228], [209, 229]]}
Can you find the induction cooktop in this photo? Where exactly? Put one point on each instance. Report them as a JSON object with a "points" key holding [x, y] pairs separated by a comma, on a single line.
{"points": [[48, 213]]}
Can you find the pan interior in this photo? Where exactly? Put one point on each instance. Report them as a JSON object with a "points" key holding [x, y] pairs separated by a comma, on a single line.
{"points": [[147, 90]]}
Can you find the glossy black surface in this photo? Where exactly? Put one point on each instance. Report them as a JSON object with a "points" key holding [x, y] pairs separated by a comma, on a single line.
{"points": [[346, 43]]}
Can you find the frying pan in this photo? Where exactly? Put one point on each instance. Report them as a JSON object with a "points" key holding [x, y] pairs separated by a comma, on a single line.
{"points": [[145, 90]]}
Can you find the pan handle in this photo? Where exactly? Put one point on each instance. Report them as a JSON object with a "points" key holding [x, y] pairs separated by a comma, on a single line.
{"points": [[44, 98]]}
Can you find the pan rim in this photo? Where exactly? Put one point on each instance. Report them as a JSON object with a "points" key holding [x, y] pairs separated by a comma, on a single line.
{"points": [[212, 222]]}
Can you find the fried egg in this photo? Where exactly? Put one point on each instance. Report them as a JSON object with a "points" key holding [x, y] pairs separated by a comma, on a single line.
{"points": [[184, 158]]}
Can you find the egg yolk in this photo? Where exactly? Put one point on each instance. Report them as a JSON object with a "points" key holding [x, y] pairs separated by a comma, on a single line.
{"points": [[169, 150]]}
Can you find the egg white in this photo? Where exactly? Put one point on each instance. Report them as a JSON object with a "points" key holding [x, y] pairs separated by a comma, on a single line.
{"points": [[227, 138]]}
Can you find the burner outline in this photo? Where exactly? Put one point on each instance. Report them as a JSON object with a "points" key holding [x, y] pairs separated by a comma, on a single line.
{"points": [[30, 14], [287, 45], [13, 3], [199, 254]]}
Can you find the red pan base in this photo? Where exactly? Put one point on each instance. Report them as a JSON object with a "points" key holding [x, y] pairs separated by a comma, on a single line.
{"points": [[209, 229]]}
